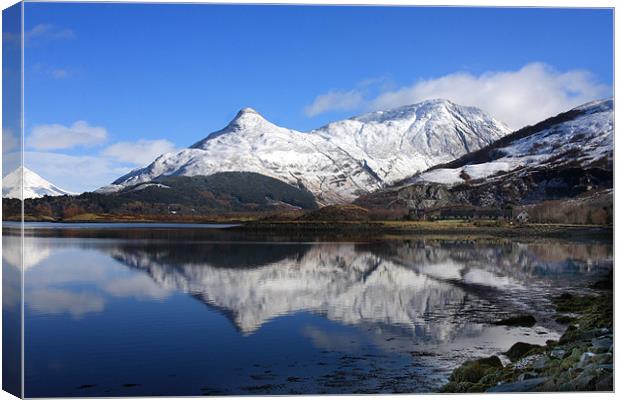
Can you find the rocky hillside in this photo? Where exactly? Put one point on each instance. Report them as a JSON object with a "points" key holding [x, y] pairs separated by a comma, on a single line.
{"points": [[561, 157]]}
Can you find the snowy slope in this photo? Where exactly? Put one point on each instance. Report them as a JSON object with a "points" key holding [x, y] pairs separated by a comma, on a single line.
{"points": [[582, 140], [413, 138], [337, 162], [34, 185]]}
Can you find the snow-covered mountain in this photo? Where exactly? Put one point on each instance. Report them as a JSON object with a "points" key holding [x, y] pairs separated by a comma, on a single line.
{"points": [[339, 161], [560, 157], [585, 139], [413, 138], [34, 185]]}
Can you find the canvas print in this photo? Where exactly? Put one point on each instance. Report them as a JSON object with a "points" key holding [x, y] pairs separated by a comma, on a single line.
{"points": [[234, 199]]}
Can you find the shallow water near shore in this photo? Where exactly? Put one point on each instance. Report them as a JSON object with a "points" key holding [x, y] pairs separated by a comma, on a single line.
{"points": [[191, 311]]}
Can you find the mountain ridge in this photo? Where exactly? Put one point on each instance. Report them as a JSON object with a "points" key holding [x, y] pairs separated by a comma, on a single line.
{"points": [[560, 157], [339, 161]]}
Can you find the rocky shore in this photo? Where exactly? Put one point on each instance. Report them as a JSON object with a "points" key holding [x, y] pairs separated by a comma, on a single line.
{"points": [[581, 360]]}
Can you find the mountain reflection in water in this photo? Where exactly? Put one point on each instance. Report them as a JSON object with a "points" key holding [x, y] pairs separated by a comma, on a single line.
{"points": [[419, 306], [398, 283]]}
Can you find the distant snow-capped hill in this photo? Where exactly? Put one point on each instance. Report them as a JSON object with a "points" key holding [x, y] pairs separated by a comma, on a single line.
{"points": [[34, 185], [339, 161]]}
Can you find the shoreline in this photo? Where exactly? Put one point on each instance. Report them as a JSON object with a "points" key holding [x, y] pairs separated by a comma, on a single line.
{"points": [[581, 360], [449, 228]]}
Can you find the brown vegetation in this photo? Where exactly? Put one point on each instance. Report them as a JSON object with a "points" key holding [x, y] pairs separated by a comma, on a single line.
{"points": [[346, 212], [594, 209]]}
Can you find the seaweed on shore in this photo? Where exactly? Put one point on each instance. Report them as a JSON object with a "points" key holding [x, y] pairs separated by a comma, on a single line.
{"points": [[582, 360]]}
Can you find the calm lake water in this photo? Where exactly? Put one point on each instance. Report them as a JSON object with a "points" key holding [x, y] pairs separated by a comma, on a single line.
{"points": [[113, 311]]}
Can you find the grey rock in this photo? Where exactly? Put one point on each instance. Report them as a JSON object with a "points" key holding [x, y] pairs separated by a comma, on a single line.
{"points": [[603, 358], [567, 387], [589, 370], [527, 375], [520, 349], [587, 379], [540, 362], [565, 377], [557, 353], [521, 386], [585, 359], [526, 361], [602, 344]]}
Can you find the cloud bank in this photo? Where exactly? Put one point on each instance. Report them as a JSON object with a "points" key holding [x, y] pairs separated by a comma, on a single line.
{"points": [[139, 153], [49, 153], [518, 98], [76, 173], [335, 100], [10, 141], [48, 31], [56, 136]]}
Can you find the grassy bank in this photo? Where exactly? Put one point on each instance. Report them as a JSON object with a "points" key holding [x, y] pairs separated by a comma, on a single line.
{"points": [[450, 228], [257, 223], [582, 359], [167, 218]]}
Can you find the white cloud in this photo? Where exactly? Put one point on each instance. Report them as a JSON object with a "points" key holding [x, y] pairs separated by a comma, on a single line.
{"points": [[39, 32], [51, 71], [139, 153], [56, 136], [10, 141], [59, 73], [518, 98], [80, 173], [48, 31], [521, 97], [11, 151], [335, 100], [85, 172], [75, 173]]}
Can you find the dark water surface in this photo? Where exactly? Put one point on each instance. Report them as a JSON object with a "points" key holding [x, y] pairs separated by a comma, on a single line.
{"points": [[191, 311]]}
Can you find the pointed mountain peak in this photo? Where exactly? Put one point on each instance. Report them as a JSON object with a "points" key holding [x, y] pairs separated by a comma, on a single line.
{"points": [[248, 115], [33, 185], [246, 120], [247, 110], [20, 171]]}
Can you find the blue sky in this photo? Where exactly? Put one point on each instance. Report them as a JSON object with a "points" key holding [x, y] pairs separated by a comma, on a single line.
{"points": [[107, 86]]}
